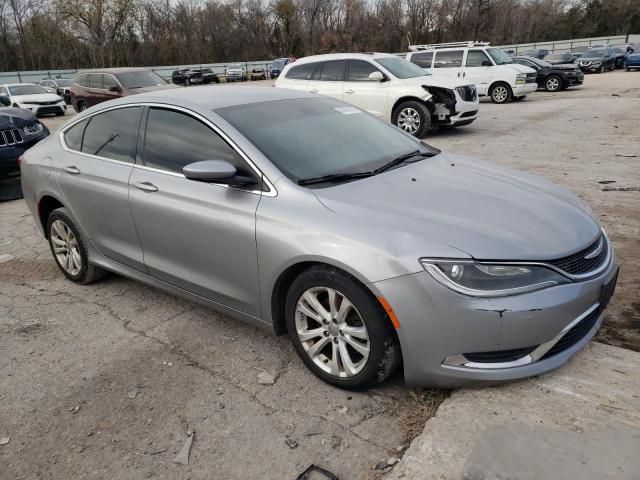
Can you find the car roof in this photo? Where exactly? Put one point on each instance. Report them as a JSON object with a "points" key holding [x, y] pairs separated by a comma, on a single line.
{"points": [[116, 70], [17, 84], [216, 96], [342, 56]]}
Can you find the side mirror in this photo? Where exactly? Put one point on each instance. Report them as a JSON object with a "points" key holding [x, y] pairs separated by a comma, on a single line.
{"points": [[5, 101], [486, 63], [115, 88], [216, 171], [376, 76]]}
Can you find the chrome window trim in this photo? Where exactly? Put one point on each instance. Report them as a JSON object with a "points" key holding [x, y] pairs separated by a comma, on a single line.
{"points": [[460, 361], [272, 192]]}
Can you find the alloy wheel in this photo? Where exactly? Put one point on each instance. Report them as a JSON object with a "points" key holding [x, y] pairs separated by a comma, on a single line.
{"points": [[553, 84], [65, 248], [500, 94], [409, 120], [332, 332]]}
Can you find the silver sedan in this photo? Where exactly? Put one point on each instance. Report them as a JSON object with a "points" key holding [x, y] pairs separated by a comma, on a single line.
{"points": [[304, 215]]}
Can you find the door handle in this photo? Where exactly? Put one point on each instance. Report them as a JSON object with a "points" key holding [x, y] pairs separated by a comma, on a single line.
{"points": [[313, 90], [458, 73], [146, 186], [349, 91], [464, 74], [72, 170]]}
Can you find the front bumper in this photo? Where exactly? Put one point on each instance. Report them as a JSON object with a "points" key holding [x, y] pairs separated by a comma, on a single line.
{"points": [[59, 107], [593, 67], [438, 326], [9, 155], [524, 89]]}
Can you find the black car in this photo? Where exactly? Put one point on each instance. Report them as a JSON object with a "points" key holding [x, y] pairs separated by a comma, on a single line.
{"points": [[552, 77], [620, 55], [559, 58], [537, 53], [187, 76], [597, 59], [19, 131], [579, 51], [207, 75]]}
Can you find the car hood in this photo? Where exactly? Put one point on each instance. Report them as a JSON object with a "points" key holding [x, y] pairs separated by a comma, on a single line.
{"points": [[38, 97], [591, 59], [15, 117], [435, 81], [487, 211], [562, 66], [154, 88], [519, 68]]}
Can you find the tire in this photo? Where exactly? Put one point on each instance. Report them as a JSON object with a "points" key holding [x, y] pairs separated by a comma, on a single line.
{"points": [[82, 106], [187, 82], [64, 235], [553, 83], [627, 69], [601, 69], [500, 93], [366, 318], [413, 117]]}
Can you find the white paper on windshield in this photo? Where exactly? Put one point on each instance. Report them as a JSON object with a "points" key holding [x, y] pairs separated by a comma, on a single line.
{"points": [[347, 110]]}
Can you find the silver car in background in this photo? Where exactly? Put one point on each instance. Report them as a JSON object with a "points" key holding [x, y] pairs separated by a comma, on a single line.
{"points": [[367, 246]]}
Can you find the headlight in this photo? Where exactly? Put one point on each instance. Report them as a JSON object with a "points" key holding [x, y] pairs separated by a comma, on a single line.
{"points": [[33, 128], [491, 280], [521, 78]]}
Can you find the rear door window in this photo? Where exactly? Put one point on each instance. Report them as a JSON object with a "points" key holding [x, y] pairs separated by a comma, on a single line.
{"points": [[422, 59], [113, 134], [302, 72], [333, 71], [95, 80], [448, 59], [82, 80]]}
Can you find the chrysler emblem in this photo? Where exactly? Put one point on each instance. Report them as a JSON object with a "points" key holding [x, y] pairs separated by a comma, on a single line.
{"points": [[595, 252]]}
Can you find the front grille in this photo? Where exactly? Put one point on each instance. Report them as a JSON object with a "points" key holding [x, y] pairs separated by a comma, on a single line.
{"points": [[532, 77], [10, 137], [574, 335], [499, 356], [577, 264], [44, 103], [48, 110], [468, 93]]}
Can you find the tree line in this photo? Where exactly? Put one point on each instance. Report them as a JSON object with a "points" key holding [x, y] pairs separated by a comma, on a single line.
{"points": [[57, 34]]}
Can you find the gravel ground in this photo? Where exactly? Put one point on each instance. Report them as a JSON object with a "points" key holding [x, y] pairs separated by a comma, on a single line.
{"points": [[104, 381]]}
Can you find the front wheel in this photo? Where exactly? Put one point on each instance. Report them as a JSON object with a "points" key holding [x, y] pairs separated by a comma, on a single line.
{"points": [[69, 249], [500, 93], [553, 83], [413, 117], [340, 330]]}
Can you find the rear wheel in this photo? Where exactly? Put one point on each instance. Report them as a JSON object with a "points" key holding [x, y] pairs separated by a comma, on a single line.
{"points": [[601, 70], [552, 83], [413, 117], [82, 106], [340, 330], [69, 249], [500, 93]]}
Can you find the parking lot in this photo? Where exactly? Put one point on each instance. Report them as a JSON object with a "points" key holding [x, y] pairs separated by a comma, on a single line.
{"points": [[103, 381]]}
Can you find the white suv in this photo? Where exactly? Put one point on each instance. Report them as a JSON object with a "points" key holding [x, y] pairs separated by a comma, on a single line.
{"points": [[489, 68], [386, 86]]}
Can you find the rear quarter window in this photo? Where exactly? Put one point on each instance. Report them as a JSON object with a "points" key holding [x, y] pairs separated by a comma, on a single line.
{"points": [[73, 136]]}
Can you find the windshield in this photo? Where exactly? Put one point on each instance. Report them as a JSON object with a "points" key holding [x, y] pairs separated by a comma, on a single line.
{"points": [[596, 52], [337, 138], [499, 56], [400, 67], [26, 89], [63, 82], [140, 79]]}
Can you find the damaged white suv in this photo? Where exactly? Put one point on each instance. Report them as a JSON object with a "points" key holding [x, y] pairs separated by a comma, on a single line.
{"points": [[387, 86]]}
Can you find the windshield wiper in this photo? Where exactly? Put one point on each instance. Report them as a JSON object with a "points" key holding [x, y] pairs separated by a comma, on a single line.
{"points": [[402, 159], [335, 177]]}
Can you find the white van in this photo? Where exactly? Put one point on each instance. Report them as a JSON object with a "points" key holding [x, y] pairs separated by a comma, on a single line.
{"points": [[489, 68]]}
